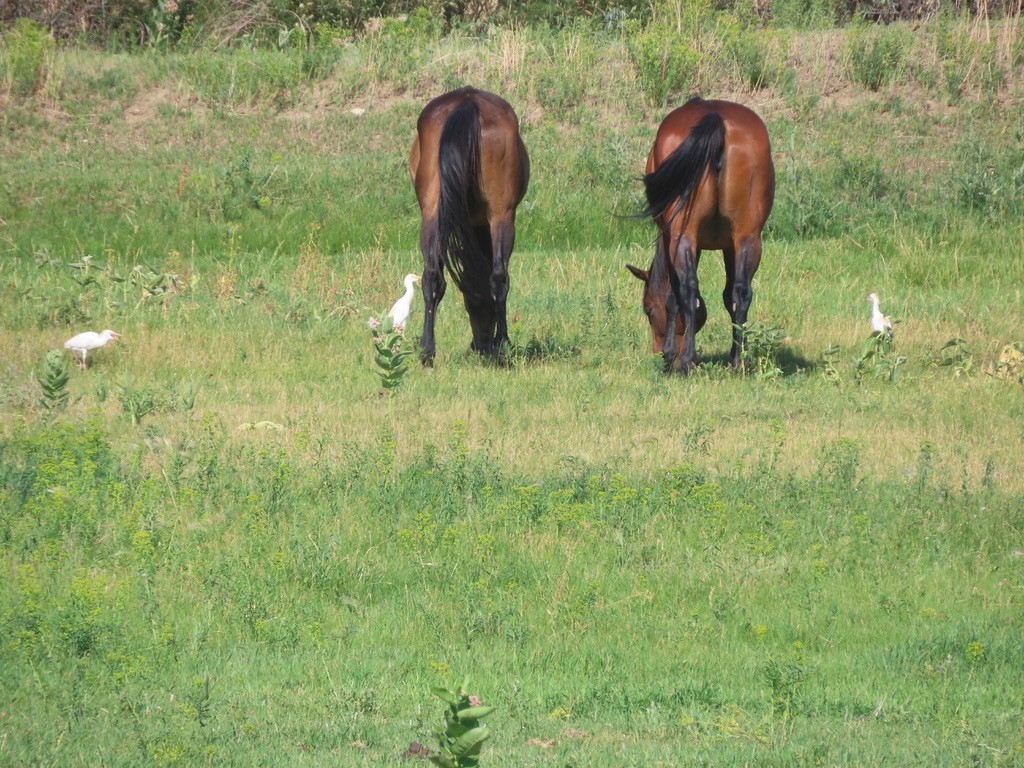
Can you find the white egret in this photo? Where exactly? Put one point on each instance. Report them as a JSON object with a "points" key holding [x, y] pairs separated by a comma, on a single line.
{"points": [[84, 343], [399, 313], [879, 322]]}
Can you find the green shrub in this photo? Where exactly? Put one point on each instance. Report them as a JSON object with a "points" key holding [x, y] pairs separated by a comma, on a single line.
{"points": [[401, 47], [988, 181], [246, 77], [756, 55], [564, 63], [808, 14], [964, 61], [876, 56], [666, 64], [27, 58]]}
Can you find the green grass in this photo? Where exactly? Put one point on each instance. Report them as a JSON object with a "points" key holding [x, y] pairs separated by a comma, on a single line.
{"points": [[228, 548]]}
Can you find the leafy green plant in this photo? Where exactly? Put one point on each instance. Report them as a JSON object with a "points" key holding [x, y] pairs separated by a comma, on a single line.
{"points": [[989, 181], [153, 283], [760, 343], [565, 63], [245, 187], [965, 59], [786, 676], [462, 736], [955, 355], [808, 14], [666, 64], [400, 47], [757, 56], [53, 381], [137, 402], [878, 358], [391, 353], [829, 360]]}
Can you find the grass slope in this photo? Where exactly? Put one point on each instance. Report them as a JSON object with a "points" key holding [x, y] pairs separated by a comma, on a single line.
{"points": [[230, 549]]}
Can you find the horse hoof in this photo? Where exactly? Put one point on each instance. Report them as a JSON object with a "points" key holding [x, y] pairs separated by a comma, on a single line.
{"points": [[686, 367]]}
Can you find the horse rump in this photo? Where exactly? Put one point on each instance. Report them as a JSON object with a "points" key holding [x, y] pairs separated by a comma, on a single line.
{"points": [[678, 177]]}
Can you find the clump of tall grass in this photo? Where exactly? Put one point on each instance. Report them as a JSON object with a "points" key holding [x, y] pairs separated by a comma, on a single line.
{"points": [[28, 59], [953, 56], [667, 52], [401, 47], [876, 56]]}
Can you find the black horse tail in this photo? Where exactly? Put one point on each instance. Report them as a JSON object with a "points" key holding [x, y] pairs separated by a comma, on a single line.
{"points": [[676, 179], [459, 167]]}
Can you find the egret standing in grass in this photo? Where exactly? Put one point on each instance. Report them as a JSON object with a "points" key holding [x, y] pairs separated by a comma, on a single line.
{"points": [[879, 322], [84, 343], [399, 313]]}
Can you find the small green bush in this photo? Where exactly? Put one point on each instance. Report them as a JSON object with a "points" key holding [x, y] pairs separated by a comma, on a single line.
{"points": [[26, 60], [756, 55], [666, 65], [965, 62], [565, 61], [401, 47], [876, 56], [808, 14], [988, 181]]}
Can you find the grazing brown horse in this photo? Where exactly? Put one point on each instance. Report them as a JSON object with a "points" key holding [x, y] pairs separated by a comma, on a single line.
{"points": [[710, 184], [655, 299], [470, 170]]}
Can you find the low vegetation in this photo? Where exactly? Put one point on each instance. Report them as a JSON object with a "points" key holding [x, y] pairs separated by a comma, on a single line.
{"points": [[225, 544]]}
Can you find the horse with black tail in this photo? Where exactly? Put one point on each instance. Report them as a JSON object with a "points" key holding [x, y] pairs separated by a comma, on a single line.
{"points": [[710, 184], [470, 169]]}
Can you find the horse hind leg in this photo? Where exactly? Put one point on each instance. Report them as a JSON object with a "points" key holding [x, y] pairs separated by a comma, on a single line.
{"points": [[503, 235], [433, 287], [740, 265], [478, 299], [683, 279]]}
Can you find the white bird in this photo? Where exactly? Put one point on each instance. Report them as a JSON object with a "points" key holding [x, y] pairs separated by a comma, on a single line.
{"points": [[401, 309], [88, 341], [879, 322]]}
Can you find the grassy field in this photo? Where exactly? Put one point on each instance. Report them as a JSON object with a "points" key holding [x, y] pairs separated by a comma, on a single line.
{"points": [[229, 548]]}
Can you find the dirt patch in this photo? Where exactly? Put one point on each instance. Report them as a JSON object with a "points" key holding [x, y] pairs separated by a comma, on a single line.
{"points": [[147, 105]]}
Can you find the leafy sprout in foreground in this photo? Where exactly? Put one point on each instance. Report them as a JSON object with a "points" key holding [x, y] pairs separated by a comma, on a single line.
{"points": [[391, 353], [462, 736]]}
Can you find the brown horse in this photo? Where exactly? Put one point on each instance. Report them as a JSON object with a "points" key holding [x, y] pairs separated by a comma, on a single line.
{"points": [[710, 184], [470, 169], [655, 300]]}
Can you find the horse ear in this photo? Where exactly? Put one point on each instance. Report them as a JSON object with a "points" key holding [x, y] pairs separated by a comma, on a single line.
{"points": [[639, 274]]}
